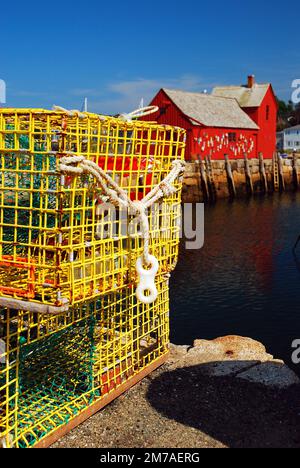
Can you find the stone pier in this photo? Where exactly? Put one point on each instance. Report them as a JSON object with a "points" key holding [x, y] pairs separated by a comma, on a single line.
{"points": [[193, 187]]}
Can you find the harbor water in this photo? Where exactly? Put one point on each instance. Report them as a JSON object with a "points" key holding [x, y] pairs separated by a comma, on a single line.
{"points": [[246, 279]]}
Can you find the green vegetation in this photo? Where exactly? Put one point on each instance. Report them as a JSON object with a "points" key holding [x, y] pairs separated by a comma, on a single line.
{"points": [[288, 114]]}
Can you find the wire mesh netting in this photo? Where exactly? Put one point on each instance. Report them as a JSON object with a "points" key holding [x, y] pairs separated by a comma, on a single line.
{"points": [[61, 241], [53, 367], [65, 249]]}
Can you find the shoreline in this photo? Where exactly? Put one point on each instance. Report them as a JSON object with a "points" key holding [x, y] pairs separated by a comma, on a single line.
{"points": [[227, 392]]}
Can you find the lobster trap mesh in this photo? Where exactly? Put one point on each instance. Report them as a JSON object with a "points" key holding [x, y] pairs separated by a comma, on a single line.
{"points": [[61, 241], [65, 249], [52, 367]]}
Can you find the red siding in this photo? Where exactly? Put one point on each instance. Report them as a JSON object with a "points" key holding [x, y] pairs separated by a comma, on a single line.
{"points": [[266, 140], [220, 141], [170, 114]]}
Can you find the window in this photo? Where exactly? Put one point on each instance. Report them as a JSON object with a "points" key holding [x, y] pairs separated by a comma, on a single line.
{"points": [[232, 136], [267, 112]]}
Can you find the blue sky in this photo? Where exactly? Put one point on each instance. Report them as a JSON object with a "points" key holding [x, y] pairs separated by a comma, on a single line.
{"points": [[117, 52]]}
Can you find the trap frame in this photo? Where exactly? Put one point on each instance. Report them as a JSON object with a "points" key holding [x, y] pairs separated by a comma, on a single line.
{"points": [[73, 334], [54, 251], [54, 367]]}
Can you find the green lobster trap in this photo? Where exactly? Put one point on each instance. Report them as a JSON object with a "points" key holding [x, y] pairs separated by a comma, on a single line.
{"points": [[56, 368], [63, 237], [89, 231]]}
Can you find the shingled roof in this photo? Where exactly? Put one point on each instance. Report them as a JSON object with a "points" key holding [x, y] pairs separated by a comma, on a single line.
{"points": [[211, 111], [246, 97]]}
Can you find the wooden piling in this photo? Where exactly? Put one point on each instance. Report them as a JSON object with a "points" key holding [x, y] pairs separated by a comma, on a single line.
{"points": [[281, 175], [262, 171], [248, 176], [230, 180], [203, 179], [295, 170], [210, 179]]}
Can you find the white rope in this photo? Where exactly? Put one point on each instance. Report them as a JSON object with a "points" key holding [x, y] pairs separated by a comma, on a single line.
{"points": [[70, 113], [77, 165], [142, 112]]}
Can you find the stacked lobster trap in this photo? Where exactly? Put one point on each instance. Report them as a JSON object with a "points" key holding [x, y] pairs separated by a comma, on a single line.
{"points": [[89, 229]]}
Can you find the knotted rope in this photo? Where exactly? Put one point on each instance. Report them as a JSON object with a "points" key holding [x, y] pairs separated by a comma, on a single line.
{"points": [[73, 164], [70, 113], [142, 112], [77, 165]]}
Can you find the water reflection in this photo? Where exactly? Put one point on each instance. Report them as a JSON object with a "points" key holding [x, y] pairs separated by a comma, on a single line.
{"points": [[245, 279]]}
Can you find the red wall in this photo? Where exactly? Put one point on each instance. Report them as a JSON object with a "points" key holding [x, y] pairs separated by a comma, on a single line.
{"points": [[266, 140], [170, 114], [216, 142]]}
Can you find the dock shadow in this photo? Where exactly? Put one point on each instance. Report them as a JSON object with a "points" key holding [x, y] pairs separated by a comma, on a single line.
{"points": [[234, 411]]}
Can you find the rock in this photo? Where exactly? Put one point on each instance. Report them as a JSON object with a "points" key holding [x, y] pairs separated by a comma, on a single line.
{"points": [[234, 356], [226, 368], [191, 181], [272, 374], [177, 352], [218, 165], [231, 347]]}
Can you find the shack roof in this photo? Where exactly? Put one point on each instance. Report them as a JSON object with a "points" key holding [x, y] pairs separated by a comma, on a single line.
{"points": [[246, 97], [211, 111]]}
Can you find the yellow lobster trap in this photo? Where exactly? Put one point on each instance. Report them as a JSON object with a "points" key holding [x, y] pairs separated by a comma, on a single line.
{"points": [[89, 231], [57, 370], [71, 190]]}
